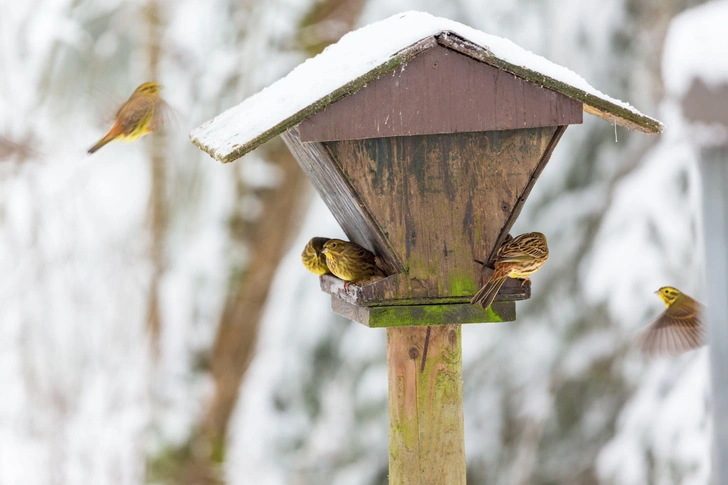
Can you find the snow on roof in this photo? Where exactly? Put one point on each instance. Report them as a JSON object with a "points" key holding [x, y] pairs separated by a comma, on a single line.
{"points": [[696, 47], [365, 54]]}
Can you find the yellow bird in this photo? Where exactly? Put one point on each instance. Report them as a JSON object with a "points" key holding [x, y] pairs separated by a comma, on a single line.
{"points": [[680, 327], [350, 262], [138, 116], [313, 258]]}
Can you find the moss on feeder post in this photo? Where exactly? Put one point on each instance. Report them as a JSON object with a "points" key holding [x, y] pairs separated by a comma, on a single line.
{"points": [[426, 424]]}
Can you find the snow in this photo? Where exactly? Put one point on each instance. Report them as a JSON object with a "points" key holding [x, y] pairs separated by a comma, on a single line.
{"points": [[695, 46], [357, 53], [80, 403]]}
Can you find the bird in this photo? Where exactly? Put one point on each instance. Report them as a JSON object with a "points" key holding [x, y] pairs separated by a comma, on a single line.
{"points": [[678, 329], [350, 262], [516, 258], [313, 259], [138, 116]]}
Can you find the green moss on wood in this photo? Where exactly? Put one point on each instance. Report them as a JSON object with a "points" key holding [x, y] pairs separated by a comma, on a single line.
{"points": [[429, 315], [426, 406]]}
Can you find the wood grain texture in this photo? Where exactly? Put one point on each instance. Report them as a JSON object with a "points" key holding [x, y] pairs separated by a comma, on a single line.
{"points": [[353, 217], [441, 201], [208, 139], [426, 430], [487, 269], [612, 112], [427, 314], [381, 292], [441, 91], [205, 136]]}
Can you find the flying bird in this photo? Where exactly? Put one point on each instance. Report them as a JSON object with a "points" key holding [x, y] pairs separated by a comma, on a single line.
{"points": [[139, 115], [678, 329]]}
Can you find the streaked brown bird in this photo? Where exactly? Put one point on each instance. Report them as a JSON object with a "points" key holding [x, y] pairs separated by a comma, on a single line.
{"points": [[139, 115], [516, 258], [680, 327], [313, 258], [350, 262]]}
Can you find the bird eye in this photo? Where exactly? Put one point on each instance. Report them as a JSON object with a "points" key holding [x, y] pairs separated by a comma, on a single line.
{"points": [[333, 245]]}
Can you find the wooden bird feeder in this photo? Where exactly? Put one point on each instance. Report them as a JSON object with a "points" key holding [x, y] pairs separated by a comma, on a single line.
{"points": [[424, 137]]}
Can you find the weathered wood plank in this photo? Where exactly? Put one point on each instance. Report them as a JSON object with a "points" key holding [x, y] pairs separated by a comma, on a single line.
{"points": [[380, 293], [424, 315], [487, 269], [353, 217], [441, 91], [208, 145], [442, 201], [426, 429], [611, 112]]}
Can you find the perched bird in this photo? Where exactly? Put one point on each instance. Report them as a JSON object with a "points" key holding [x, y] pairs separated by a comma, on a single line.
{"points": [[138, 116], [313, 259], [350, 262], [516, 258], [680, 327]]}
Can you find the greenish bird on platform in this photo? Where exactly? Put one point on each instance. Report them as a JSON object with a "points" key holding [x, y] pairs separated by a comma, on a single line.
{"points": [[313, 258], [139, 115], [678, 329], [350, 262], [518, 257]]}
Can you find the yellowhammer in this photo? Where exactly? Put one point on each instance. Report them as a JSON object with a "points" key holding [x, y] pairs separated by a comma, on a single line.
{"points": [[680, 327], [350, 262], [313, 258], [516, 258], [138, 116]]}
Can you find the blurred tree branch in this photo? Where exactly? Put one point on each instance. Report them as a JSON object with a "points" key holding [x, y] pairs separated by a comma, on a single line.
{"points": [[157, 196]]}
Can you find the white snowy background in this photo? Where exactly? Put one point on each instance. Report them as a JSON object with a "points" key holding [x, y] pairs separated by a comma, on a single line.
{"points": [[560, 396]]}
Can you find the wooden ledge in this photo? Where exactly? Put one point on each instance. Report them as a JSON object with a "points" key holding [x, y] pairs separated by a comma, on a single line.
{"points": [[424, 315], [383, 292], [361, 304]]}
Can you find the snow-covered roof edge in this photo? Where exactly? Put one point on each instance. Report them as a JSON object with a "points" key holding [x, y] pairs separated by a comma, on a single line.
{"points": [[198, 134], [243, 128], [595, 105]]}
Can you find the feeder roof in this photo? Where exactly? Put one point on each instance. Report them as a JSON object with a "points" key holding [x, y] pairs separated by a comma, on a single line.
{"points": [[364, 55]]}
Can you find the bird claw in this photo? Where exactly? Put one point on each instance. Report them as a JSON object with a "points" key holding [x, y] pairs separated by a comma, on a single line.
{"points": [[524, 280]]}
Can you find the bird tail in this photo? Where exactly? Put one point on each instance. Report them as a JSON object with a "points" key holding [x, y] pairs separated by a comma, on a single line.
{"points": [[488, 292], [110, 136]]}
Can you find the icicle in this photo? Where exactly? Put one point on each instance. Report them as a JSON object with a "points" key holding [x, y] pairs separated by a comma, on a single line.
{"points": [[615, 132]]}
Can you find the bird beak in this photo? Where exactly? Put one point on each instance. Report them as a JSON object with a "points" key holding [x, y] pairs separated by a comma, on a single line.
{"points": [[657, 292], [324, 251]]}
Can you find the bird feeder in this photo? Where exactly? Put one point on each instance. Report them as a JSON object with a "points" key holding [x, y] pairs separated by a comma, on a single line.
{"points": [[424, 138]]}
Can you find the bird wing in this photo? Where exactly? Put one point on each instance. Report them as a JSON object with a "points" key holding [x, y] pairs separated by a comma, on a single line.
{"points": [[679, 329], [136, 111], [522, 249]]}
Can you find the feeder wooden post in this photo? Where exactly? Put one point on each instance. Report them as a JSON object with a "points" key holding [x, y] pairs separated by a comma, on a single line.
{"points": [[426, 430]]}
